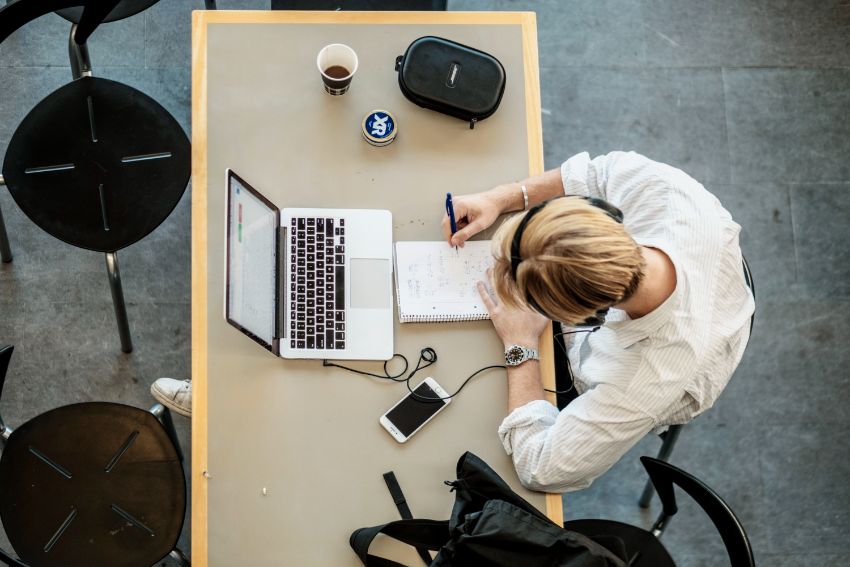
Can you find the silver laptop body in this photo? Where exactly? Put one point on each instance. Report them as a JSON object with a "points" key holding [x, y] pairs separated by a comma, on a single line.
{"points": [[308, 282]]}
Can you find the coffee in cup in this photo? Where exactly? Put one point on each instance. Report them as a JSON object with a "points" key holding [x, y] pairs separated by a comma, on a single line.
{"points": [[337, 64]]}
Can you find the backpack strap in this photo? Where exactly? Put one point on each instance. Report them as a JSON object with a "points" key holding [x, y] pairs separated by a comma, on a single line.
{"points": [[422, 534], [398, 495], [403, 509]]}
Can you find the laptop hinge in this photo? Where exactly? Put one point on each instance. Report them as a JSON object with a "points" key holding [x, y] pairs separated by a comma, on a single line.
{"points": [[280, 303]]}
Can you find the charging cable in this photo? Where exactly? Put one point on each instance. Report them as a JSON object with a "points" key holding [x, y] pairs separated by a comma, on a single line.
{"points": [[428, 356]]}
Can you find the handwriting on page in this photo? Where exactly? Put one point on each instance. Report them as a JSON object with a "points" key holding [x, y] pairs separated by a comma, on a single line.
{"points": [[447, 276]]}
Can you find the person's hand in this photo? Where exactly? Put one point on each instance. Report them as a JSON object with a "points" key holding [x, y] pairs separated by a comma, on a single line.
{"points": [[514, 326], [473, 213]]}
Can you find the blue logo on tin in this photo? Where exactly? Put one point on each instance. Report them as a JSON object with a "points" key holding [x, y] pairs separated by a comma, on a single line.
{"points": [[380, 125]]}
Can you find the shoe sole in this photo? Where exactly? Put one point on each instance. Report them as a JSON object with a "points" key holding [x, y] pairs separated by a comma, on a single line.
{"points": [[170, 404]]}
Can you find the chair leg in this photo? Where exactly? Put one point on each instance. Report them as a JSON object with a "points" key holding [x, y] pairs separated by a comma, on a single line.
{"points": [[5, 433], [164, 416], [210, 5], [180, 557], [118, 301], [670, 437], [79, 56]]}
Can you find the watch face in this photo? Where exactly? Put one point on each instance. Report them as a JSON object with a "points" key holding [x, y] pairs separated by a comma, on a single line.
{"points": [[514, 355]]}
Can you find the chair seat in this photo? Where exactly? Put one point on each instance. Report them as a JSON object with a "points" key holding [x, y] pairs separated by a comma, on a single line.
{"points": [[98, 164], [92, 484], [636, 540]]}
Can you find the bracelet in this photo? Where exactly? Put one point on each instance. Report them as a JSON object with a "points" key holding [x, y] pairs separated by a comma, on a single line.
{"points": [[524, 197]]}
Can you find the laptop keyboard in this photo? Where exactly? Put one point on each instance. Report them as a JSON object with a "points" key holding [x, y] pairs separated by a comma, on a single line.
{"points": [[317, 283]]}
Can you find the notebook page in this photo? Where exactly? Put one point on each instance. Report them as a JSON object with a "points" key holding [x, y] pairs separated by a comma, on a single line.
{"points": [[435, 282]]}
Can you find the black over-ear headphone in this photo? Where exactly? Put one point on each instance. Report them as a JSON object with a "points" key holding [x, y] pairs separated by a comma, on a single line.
{"points": [[612, 211]]}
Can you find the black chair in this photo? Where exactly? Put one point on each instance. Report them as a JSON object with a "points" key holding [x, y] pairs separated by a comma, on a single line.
{"points": [[643, 546], [94, 483], [96, 163], [669, 437], [17, 14]]}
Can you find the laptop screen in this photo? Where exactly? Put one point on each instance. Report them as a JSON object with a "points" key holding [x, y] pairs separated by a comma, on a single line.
{"points": [[252, 223]]}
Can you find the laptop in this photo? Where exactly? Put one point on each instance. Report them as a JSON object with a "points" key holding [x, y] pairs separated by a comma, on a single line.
{"points": [[308, 283]]}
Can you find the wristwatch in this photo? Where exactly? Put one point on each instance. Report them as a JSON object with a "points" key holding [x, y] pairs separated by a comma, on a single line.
{"points": [[516, 355]]}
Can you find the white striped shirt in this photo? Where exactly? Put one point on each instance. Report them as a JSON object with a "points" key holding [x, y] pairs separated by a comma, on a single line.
{"points": [[636, 376]]}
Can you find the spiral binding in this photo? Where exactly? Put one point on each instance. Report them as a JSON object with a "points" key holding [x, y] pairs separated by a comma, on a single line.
{"points": [[442, 318], [448, 318]]}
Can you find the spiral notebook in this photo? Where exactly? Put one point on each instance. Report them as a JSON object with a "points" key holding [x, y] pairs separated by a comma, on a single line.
{"points": [[436, 283]]}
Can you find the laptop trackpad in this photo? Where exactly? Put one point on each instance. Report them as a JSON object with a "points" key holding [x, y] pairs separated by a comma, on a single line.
{"points": [[370, 283]]}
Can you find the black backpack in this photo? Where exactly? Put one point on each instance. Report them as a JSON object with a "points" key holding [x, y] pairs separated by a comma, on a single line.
{"points": [[490, 525]]}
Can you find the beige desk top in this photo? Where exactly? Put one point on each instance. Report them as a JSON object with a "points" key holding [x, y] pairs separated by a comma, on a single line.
{"points": [[308, 435]]}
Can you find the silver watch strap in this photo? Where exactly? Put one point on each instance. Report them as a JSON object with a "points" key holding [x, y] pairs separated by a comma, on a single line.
{"points": [[524, 190], [527, 354]]}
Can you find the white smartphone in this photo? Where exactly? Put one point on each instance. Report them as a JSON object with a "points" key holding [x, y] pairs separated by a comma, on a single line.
{"points": [[412, 412]]}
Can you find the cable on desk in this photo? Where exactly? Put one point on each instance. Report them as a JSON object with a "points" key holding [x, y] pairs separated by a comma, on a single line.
{"points": [[428, 356]]}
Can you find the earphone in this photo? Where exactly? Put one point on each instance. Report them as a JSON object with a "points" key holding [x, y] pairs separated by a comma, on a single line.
{"points": [[613, 212]]}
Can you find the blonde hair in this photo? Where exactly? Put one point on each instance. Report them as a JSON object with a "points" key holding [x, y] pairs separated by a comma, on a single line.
{"points": [[576, 259]]}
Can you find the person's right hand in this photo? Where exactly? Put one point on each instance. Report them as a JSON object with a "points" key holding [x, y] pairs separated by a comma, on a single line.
{"points": [[473, 213]]}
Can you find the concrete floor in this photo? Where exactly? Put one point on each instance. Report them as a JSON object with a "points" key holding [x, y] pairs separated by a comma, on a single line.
{"points": [[750, 97]]}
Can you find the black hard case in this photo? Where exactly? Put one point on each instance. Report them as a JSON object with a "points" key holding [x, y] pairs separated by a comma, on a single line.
{"points": [[455, 79]]}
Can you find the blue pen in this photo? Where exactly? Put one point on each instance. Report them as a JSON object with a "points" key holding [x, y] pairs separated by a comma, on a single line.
{"points": [[450, 211]]}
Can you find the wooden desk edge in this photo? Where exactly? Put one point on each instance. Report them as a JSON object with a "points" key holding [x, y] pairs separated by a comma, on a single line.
{"points": [[533, 118], [199, 290], [200, 20]]}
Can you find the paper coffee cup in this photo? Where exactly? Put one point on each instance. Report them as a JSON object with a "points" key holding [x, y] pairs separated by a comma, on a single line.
{"points": [[337, 64]]}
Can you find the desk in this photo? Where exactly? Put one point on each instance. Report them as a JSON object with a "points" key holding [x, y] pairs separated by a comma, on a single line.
{"points": [[308, 435]]}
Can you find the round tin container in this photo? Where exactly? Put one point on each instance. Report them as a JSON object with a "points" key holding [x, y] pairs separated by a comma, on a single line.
{"points": [[379, 128]]}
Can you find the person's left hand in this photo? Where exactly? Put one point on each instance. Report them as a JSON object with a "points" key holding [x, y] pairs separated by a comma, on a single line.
{"points": [[514, 326]]}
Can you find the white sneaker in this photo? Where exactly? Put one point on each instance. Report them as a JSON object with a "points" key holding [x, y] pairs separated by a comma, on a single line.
{"points": [[176, 395]]}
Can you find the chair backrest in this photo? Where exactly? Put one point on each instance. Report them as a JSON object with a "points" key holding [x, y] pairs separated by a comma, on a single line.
{"points": [[664, 476], [5, 357], [748, 279], [20, 12]]}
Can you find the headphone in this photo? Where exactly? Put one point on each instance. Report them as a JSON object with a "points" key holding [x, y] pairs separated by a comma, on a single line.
{"points": [[613, 212]]}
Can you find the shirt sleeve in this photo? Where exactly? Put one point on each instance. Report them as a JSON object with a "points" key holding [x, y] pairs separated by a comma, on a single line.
{"points": [[617, 176], [566, 451], [578, 177], [527, 421]]}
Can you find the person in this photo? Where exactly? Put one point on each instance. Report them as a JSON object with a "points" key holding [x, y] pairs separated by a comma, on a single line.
{"points": [[174, 394], [670, 274]]}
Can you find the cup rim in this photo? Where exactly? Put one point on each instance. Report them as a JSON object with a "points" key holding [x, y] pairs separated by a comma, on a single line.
{"points": [[351, 74]]}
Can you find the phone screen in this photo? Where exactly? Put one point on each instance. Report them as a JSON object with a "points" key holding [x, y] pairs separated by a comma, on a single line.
{"points": [[411, 412]]}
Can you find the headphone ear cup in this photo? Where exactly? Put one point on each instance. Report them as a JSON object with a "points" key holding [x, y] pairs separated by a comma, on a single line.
{"points": [[612, 211], [595, 321]]}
